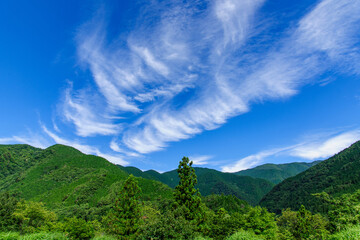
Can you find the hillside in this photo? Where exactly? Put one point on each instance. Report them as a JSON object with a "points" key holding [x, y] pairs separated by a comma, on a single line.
{"points": [[63, 175], [337, 175], [211, 181], [277, 173]]}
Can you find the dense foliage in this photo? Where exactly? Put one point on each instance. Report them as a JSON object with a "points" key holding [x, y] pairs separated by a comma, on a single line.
{"points": [[335, 176], [277, 173]]}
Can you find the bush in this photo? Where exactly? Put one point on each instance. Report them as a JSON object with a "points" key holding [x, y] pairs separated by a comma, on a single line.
{"points": [[244, 235], [77, 228]]}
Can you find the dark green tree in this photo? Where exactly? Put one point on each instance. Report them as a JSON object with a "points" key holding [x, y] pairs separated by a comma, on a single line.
{"points": [[124, 218], [186, 194], [8, 203]]}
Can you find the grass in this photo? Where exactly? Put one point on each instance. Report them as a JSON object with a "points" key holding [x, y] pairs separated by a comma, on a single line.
{"points": [[46, 236], [352, 233], [33, 236], [244, 235]]}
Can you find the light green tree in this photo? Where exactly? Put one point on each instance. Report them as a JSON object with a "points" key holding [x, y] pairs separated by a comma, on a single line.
{"points": [[34, 217]]}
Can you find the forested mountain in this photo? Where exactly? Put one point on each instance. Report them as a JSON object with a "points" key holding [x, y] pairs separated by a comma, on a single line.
{"points": [[277, 173], [211, 181], [61, 193], [337, 175], [63, 175]]}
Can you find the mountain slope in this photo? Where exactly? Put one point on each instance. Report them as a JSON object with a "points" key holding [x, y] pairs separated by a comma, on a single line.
{"points": [[213, 182], [63, 175], [336, 175], [277, 173], [16, 158]]}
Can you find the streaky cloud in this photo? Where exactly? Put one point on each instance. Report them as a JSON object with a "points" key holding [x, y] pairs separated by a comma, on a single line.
{"points": [[199, 53], [315, 147]]}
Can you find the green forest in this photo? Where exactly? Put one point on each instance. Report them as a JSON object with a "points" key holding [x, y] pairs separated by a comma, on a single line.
{"points": [[61, 193]]}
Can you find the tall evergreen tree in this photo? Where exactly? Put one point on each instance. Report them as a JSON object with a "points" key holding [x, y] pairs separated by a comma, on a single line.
{"points": [[186, 195], [124, 218]]}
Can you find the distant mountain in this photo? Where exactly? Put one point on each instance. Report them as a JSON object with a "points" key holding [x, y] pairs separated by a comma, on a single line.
{"points": [[336, 175], [63, 175], [277, 173], [211, 181]]}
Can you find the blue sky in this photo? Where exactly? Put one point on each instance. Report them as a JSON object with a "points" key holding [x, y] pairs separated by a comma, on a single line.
{"points": [[230, 83]]}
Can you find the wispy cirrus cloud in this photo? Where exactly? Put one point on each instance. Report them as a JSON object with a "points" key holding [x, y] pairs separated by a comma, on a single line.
{"points": [[317, 147], [78, 108], [200, 160], [189, 71]]}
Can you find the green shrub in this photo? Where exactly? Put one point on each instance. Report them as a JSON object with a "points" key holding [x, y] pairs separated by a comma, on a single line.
{"points": [[352, 233], [244, 235], [77, 228]]}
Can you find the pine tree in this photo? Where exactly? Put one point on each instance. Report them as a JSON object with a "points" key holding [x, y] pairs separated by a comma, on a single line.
{"points": [[186, 195], [124, 218]]}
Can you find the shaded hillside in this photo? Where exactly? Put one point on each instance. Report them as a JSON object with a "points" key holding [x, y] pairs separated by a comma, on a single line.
{"points": [[17, 158], [64, 175], [335, 176], [277, 173], [214, 182]]}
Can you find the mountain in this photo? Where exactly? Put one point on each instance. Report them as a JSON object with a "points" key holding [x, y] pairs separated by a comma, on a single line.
{"points": [[62, 175], [335, 176], [277, 173], [211, 181]]}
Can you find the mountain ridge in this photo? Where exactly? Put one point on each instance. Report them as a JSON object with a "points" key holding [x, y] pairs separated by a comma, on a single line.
{"points": [[277, 173], [337, 175]]}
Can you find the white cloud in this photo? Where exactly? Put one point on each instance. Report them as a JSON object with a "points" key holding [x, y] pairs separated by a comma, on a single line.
{"points": [[116, 148], [333, 27], [252, 160], [150, 60], [77, 109], [200, 53], [316, 147], [327, 148], [200, 160], [236, 17]]}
